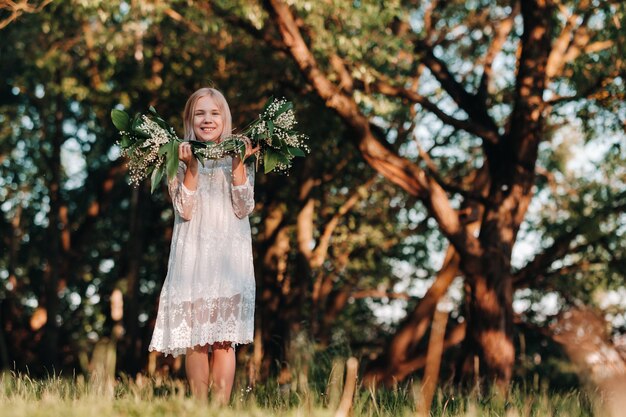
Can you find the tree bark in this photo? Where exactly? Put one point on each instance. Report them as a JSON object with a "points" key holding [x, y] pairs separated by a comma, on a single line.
{"points": [[50, 340], [512, 170], [273, 283], [132, 343]]}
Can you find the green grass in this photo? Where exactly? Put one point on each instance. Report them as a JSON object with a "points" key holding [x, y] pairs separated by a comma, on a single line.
{"points": [[22, 396]]}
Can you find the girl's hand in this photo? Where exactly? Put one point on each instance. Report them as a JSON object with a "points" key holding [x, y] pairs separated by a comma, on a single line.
{"points": [[186, 155], [249, 149], [239, 169]]}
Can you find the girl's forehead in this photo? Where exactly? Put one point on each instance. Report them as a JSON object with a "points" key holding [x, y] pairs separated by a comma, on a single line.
{"points": [[206, 103]]}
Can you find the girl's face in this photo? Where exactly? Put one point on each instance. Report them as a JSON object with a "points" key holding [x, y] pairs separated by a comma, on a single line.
{"points": [[208, 123]]}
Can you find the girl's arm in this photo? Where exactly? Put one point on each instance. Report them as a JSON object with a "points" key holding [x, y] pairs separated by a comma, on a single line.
{"points": [[242, 189], [191, 174], [243, 183], [183, 187]]}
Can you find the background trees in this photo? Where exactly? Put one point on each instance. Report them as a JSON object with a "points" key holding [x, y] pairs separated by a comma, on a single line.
{"points": [[477, 145]]}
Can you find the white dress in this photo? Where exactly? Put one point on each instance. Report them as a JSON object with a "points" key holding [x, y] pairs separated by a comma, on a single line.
{"points": [[208, 293]]}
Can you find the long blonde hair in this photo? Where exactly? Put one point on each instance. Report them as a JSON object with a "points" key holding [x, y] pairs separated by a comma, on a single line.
{"points": [[190, 107]]}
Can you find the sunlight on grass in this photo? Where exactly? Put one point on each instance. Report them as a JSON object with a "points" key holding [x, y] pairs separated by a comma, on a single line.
{"points": [[21, 396]]}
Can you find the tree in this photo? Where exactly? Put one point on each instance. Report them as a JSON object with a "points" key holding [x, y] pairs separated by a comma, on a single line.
{"points": [[505, 117]]}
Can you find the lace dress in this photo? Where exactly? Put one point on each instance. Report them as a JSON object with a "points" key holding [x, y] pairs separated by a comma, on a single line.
{"points": [[208, 293]]}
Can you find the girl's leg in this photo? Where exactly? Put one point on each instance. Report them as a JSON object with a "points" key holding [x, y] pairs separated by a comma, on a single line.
{"points": [[223, 367], [197, 369]]}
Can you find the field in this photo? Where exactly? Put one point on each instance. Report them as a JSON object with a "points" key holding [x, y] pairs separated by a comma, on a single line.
{"points": [[22, 396]]}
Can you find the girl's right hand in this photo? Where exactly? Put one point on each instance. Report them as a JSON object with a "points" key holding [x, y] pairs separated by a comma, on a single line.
{"points": [[186, 155]]}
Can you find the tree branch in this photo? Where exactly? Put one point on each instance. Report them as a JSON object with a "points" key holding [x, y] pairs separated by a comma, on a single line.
{"points": [[525, 128], [404, 368], [399, 170], [595, 89], [561, 247], [18, 8], [466, 101], [380, 294], [319, 253], [174, 15], [573, 41], [434, 172], [385, 87], [502, 31]]}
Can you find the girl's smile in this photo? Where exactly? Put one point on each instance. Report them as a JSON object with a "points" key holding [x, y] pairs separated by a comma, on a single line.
{"points": [[208, 124]]}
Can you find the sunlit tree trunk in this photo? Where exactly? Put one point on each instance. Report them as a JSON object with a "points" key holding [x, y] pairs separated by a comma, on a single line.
{"points": [[489, 303], [512, 170]]}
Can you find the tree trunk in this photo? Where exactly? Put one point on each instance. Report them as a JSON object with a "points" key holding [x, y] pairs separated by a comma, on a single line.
{"points": [[512, 170], [489, 336], [50, 341], [489, 301], [272, 280], [132, 341]]}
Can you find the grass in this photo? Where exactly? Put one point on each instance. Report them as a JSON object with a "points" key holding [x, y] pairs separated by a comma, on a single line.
{"points": [[21, 396]]}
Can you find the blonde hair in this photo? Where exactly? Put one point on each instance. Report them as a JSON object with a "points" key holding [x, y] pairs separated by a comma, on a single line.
{"points": [[190, 108]]}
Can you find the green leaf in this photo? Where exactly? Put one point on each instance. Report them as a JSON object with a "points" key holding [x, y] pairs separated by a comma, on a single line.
{"points": [[270, 128], [271, 158], [155, 179], [125, 142], [159, 120], [136, 129], [267, 104], [164, 148], [172, 160], [296, 151], [120, 119], [284, 107]]}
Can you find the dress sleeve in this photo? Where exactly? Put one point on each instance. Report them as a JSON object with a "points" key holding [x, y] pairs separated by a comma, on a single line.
{"points": [[183, 199], [242, 196]]}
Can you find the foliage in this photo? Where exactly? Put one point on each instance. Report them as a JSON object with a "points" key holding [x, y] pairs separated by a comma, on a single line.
{"points": [[151, 144]]}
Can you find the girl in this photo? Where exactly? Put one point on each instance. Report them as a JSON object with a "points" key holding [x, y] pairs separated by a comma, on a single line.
{"points": [[206, 305]]}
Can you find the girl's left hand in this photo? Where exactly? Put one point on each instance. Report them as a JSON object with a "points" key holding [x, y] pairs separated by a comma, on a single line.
{"points": [[249, 149], [239, 169]]}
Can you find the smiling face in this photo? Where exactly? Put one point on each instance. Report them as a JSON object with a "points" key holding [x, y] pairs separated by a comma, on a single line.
{"points": [[208, 121], [207, 116]]}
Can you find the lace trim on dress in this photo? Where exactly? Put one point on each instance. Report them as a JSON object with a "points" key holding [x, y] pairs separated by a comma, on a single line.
{"points": [[203, 321]]}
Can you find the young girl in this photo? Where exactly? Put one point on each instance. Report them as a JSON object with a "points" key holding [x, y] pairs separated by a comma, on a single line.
{"points": [[207, 301]]}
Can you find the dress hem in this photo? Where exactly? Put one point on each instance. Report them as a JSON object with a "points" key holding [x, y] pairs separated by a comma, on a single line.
{"points": [[181, 350]]}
